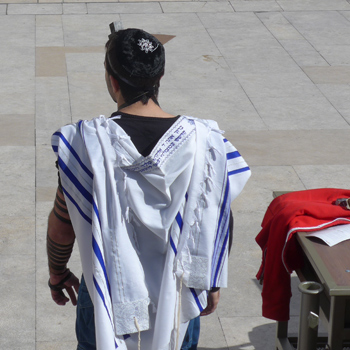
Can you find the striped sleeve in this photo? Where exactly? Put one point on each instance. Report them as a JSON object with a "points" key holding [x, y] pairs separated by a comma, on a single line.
{"points": [[237, 169]]}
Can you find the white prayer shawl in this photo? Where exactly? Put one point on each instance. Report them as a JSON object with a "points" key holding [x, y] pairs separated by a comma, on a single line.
{"points": [[180, 193]]}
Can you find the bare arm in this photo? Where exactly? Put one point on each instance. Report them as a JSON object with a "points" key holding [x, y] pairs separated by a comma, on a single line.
{"points": [[60, 241], [213, 301]]}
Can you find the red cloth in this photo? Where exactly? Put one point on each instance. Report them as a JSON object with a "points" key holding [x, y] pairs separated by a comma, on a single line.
{"points": [[309, 210]]}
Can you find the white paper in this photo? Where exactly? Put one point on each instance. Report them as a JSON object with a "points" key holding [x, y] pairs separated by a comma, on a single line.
{"points": [[333, 235]]}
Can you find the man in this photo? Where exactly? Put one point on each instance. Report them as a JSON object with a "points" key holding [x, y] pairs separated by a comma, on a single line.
{"points": [[147, 196]]}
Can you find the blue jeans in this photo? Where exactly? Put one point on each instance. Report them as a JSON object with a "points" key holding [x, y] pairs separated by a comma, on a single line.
{"points": [[85, 324]]}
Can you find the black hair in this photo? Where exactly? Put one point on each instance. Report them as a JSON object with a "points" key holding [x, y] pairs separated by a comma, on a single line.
{"points": [[136, 59]]}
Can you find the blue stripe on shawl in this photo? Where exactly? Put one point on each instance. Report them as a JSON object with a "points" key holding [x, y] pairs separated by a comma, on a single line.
{"points": [[173, 245], [88, 219], [216, 262], [99, 291], [55, 148], [225, 140], [99, 256], [222, 253], [237, 171], [75, 154], [195, 296], [179, 221], [87, 195], [232, 155]]}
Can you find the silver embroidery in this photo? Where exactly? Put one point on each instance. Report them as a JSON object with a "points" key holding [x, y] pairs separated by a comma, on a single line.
{"points": [[146, 45]]}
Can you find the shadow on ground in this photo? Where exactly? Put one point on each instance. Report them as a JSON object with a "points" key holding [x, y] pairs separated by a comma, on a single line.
{"points": [[260, 338]]}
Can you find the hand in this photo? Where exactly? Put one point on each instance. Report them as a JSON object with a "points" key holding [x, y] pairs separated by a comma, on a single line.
{"points": [[71, 285], [213, 300]]}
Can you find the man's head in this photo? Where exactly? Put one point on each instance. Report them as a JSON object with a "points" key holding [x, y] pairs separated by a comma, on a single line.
{"points": [[136, 60]]}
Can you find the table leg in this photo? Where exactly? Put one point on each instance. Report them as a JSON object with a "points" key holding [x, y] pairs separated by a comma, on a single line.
{"points": [[336, 323]]}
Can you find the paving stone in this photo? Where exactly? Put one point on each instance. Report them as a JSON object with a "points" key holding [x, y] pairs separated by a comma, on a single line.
{"points": [[74, 9], [34, 9], [256, 5], [201, 6], [145, 7], [322, 5]]}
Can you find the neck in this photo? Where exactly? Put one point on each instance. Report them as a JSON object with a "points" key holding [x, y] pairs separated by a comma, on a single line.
{"points": [[150, 109]]}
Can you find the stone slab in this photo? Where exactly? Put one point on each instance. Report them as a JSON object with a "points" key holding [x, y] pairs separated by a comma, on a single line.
{"points": [[322, 5], [75, 9], [256, 5], [34, 9], [324, 176], [17, 304], [17, 130], [283, 147], [198, 6], [212, 335], [328, 75], [145, 7]]}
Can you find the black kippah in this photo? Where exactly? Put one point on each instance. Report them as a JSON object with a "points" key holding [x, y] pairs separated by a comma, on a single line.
{"points": [[136, 57]]}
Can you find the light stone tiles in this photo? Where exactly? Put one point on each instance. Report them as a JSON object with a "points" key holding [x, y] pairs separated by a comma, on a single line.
{"points": [[282, 147], [261, 60], [335, 55], [301, 112], [211, 333], [17, 65], [257, 193], [239, 23], [49, 32], [279, 27], [197, 72], [146, 8], [3, 9], [46, 194], [17, 181], [89, 96], [316, 5], [17, 130], [303, 53], [17, 2], [255, 5], [34, 9], [198, 6], [46, 172], [75, 9], [17, 288], [321, 28], [58, 345], [229, 107], [91, 30], [328, 75], [168, 23], [339, 96], [178, 25], [17, 235], [52, 107], [325, 175], [87, 62], [253, 333]]}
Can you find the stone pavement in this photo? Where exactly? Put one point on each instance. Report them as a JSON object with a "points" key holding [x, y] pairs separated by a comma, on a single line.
{"points": [[274, 74]]}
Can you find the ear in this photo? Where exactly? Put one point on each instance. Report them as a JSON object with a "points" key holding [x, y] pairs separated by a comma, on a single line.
{"points": [[114, 84]]}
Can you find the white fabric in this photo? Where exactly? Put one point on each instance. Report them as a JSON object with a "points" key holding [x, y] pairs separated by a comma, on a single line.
{"points": [[179, 197]]}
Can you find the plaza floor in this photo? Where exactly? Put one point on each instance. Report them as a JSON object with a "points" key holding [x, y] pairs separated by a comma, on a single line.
{"points": [[275, 74]]}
